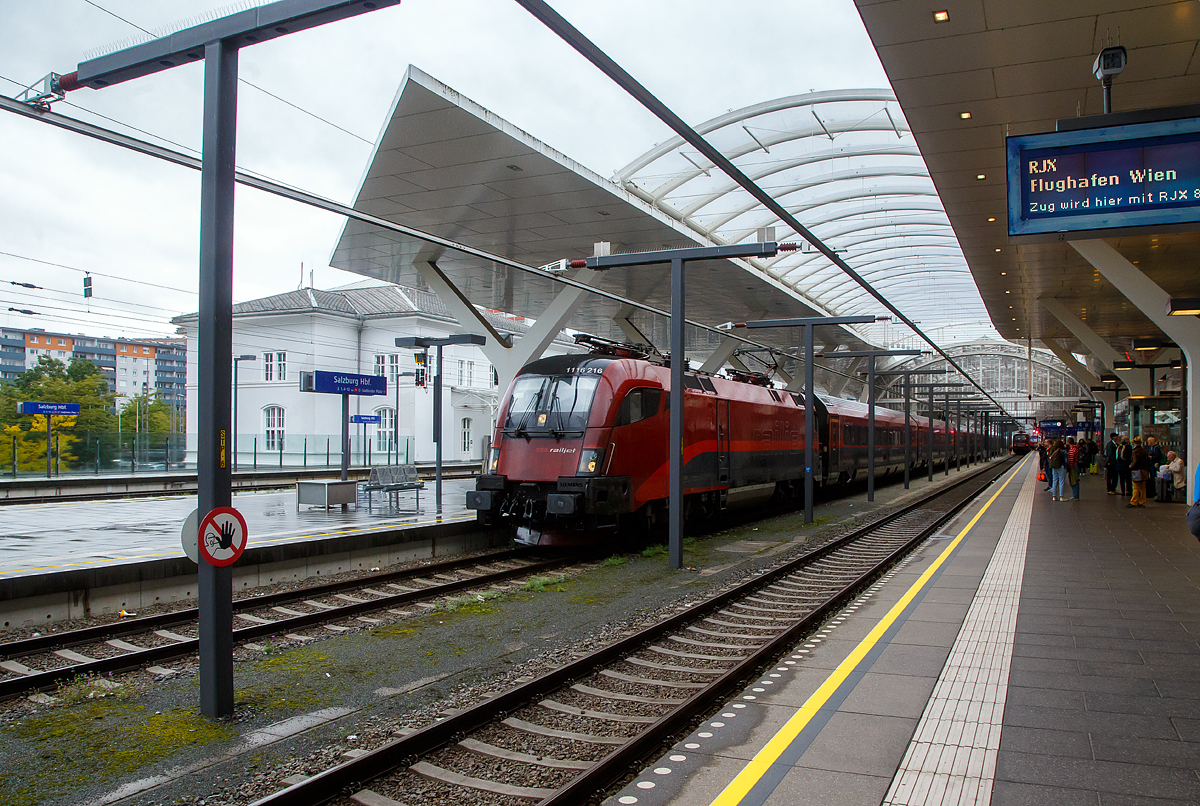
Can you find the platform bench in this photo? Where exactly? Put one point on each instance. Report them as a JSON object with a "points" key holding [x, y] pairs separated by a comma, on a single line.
{"points": [[394, 479]]}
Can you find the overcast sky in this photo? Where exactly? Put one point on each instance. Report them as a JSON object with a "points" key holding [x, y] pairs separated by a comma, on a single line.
{"points": [[133, 220]]}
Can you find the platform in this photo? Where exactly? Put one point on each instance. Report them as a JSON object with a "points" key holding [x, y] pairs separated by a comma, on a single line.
{"points": [[38, 538], [1034, 652]]}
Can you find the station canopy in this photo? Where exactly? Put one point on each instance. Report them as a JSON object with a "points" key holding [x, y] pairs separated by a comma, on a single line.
{"points": [[843, 161]]}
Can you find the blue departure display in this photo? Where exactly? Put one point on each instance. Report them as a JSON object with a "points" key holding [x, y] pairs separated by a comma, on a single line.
{"points": [[1123, 176]]}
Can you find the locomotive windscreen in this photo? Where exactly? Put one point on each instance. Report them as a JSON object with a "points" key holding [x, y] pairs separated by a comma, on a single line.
{"points": [[549, 404]]}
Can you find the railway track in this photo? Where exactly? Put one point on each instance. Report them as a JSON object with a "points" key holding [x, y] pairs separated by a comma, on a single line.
{"points": [[568, 735], [43, 662]]}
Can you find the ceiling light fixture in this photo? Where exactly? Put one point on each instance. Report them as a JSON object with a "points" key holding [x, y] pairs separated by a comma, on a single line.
{"points": [[941, 16], [1184, 306], [1003, 274], [965, 115], [993, 218], [981, 176], [997, 249]]}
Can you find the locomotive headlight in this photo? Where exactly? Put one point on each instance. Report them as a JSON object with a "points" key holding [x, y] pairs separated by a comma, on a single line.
{"points": [[494, 460], [590, 460]]}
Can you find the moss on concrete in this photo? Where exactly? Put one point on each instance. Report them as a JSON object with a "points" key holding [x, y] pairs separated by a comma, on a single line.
{"points": [[96, 742]]}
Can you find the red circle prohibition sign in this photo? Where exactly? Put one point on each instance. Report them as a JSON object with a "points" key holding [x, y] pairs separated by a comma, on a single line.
{"points": [[223, 536]]}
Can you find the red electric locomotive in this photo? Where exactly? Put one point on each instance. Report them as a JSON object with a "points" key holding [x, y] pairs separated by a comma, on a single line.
{"points": [[580, 447]]}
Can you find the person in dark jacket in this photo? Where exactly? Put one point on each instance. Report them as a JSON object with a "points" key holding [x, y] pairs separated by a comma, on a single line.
{"points": [[1093, 450], [1110, 463], [1124, 457], [1154, 451], [1139, 468]]}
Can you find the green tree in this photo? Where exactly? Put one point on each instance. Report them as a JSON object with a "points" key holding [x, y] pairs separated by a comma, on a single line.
{"points": [[52, 381], [137, 413]]}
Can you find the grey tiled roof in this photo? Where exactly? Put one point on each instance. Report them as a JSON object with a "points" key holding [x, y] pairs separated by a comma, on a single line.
{"points": [[361, 300]]}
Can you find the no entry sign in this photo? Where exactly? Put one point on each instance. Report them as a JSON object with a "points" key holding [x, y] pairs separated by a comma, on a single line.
{"points": [[222, 536]]}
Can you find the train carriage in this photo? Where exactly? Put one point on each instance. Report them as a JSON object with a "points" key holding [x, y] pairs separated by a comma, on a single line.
{"points": [[580, 447]]}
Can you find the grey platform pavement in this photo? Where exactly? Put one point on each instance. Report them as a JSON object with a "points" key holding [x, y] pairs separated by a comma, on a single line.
{"points": [[1034, 652]]}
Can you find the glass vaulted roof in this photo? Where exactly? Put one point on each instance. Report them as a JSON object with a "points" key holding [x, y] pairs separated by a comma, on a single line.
{"points": [[845, 164]]}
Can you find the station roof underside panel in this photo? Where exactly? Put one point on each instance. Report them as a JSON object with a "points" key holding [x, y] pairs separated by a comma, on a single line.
{"points": [[447, 166], [1019, 66]]}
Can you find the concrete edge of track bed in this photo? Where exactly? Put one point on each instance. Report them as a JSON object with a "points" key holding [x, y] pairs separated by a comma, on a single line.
{"points": [[45, 599]]}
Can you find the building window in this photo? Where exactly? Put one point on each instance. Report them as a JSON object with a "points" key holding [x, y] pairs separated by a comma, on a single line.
{"points": [[273, 417], [33, 340], [385, 432], [380, 364], [470, 373], [62, 342], [462, 372], [393, 368], [146, 351], [268, 366], [281, 366], [495, 377], [122, 348], [466, 435]]}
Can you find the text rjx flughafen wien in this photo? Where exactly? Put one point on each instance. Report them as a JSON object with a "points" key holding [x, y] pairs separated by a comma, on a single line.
{"points": [[1105, 184]]}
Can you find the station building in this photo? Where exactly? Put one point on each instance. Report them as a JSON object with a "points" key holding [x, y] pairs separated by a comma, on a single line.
{"points": [[354, 329]]}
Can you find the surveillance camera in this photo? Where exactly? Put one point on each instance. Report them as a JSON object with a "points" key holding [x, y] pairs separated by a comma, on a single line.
{"points": [[1110, 62]]}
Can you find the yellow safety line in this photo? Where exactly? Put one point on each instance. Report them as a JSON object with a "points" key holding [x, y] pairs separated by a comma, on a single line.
{"points": [[291, 539], [750, 775]]}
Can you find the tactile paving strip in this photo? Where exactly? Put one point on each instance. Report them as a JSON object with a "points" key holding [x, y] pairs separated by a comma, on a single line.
{"points": [[952, 757]]}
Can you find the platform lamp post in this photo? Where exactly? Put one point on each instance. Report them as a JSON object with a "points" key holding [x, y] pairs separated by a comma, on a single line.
{"points": [[409, 342], [678, 259], [216, 42], [809, 323], [236, 359], [931, 388], [907, 374], [871, 355]]}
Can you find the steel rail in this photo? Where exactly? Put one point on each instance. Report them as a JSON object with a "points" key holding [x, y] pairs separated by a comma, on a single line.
{"points": [[328, 205], [101, 632], [602, 61], [403, 752], [132, 660]]}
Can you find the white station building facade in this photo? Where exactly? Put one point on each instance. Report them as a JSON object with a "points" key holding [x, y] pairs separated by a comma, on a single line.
{"points": [[354, 329]]}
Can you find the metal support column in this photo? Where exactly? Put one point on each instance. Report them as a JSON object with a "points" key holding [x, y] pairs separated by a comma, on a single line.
{"points": [[810, 431], [930, 451], [907, 431], [871, 429], [437, 432], [678, 361], [946, 428], [345, 441], [214, 348], [957, 429]]}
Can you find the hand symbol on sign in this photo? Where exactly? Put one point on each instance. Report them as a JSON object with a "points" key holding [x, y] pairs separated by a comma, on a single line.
{"points": [[226, 535]]}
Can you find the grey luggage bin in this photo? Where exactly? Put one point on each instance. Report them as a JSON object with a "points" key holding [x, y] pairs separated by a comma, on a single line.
{"points": [[326, 493]]}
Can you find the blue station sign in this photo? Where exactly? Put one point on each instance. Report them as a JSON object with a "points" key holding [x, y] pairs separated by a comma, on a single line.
{"points": [[35, 407], [370, 419], [1140, 175], [349, 383]]}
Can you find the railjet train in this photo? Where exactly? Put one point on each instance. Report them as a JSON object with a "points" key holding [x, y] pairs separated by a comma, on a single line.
{"points": [[580, 449]]}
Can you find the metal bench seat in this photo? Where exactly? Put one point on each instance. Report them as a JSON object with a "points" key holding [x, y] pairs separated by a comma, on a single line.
{"points": [[394, 479]]}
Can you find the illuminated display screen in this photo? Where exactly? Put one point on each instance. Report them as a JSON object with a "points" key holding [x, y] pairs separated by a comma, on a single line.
{"points": [[1124, 176]]}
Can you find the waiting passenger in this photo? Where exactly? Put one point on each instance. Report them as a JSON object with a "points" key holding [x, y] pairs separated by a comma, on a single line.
{"points": [[1075, 457], [1174, 478], [1124, 470], [1139, 470], [1111, 449], [1058, 466], [1093, 450]]}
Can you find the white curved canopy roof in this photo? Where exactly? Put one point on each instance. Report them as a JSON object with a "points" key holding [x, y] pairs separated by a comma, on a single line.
{"points": [[845, 163]]}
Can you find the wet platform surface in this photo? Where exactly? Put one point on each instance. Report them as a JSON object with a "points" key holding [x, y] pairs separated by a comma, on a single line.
{"points": [[1035, 652], [37, 538]]}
